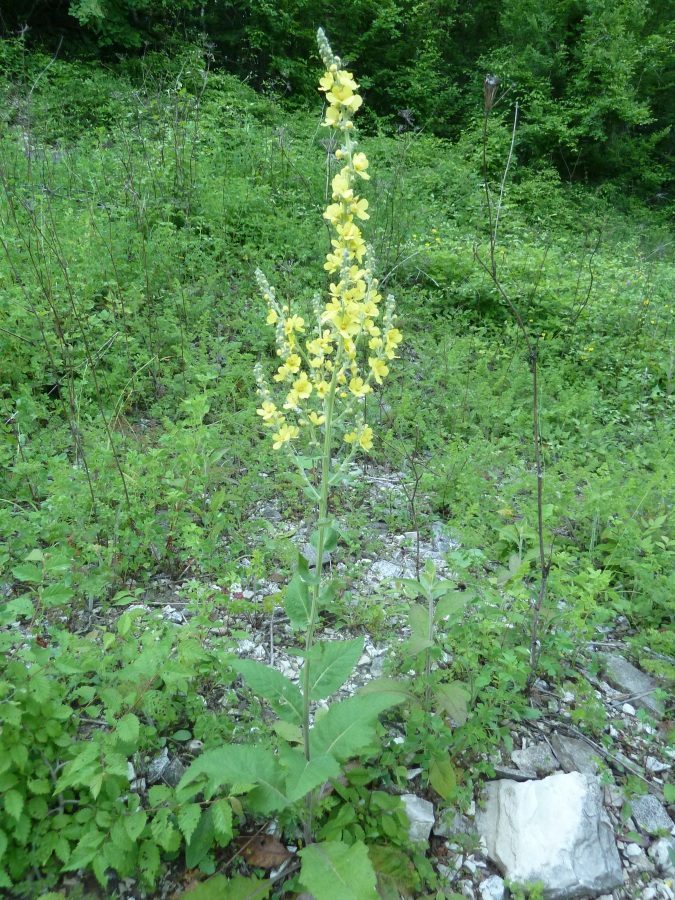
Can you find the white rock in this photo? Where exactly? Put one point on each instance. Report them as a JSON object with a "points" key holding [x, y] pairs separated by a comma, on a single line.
{"points": [[385, 569], [650, 814], [628, 709], [554, 831], [131, 772], [420, 815], [660, 852], [492, 888], [633, 851], [652, 764]]}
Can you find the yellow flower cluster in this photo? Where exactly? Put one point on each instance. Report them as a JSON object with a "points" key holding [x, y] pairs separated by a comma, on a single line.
{"points": [[328, 363]]}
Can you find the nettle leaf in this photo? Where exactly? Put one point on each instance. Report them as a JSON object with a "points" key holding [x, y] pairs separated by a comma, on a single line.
{"points": [[221, 812], [442, 776], [14, 802], [350, 726], [304, 776], [283, 696], [28, 572], [56, 595], [135, 823], [453, 699], [86, 849], [334, 869], [3, 843], [149, 859], [202, 840], [188, 817], [332, 662], [418, 620], [297, 604]]}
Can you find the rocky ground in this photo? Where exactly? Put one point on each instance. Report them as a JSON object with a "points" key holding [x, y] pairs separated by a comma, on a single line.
{"points": [[558, 811]]}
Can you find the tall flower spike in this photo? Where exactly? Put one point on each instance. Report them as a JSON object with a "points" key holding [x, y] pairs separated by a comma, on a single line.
{"points": [[333, 354]]}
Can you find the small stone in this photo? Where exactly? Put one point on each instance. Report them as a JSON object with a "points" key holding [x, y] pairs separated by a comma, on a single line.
{"points": [[649, 893], [652, 764], [628, 709], [385, 569], [467, 890], [574, 755], [310, 555], [492, 888], [626, 678], [195, 746], [420, 815], [650, 815], [632, 851], [157, 766], [536, 758], [443, 540], [662, 853], [245, 647], [174, 772], [364, 661], [451, 823], [470, 865], [514, 774], [131, 772]]}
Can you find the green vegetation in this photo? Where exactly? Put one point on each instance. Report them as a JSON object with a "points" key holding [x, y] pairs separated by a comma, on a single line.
{"points": [[137, 199]]}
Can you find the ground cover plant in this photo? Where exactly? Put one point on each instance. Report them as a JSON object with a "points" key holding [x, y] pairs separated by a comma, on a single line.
{"points": [[138, 235]]}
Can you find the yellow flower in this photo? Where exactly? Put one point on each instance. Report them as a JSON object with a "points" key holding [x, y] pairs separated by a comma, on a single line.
{"points": [[293, 363], [379, 367], [303, 386], [360, 164], [272, 317], [358, 208], [326, 82], [341, 187], [270, 414], [295, 323], [285, 434], [316, 419], [351, 437], [366, 438], [359, 387], [322, 389]]}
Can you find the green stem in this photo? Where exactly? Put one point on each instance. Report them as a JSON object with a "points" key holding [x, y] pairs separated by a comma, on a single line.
{"points": [[316, 588]]}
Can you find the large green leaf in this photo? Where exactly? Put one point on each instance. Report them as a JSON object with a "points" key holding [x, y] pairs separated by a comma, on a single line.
{"points": [[333, 869], [297, 603], [238, 764], [419, 624], [201, 840], [283, 696], [350, 726], [442, 776], [451, 603], [304, 776], [330, 539], [453, 699], [332, 662]]}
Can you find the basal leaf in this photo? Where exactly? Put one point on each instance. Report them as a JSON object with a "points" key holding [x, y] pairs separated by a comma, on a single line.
{"points": [[304, 776], [332, 662], [283, 696], [333, 869], [297, 603], [350, 726], [202, 840]]}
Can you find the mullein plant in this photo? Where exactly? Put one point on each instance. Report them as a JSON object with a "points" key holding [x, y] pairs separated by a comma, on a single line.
{"points": [[314, 406]]}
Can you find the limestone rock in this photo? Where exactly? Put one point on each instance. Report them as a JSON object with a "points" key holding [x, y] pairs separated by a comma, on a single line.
{"points": [[662, 853], [536, 758], [650, 815], [625, 677], [420, 815], [554, 831], [574, 755], [492, 888]]}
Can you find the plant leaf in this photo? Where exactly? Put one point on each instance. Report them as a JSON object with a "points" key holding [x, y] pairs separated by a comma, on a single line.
{"points": [[453, 699], [332, 662], [442, 776], [239, 888], [297, 603], [333, 869], [419, 624], [330, 539], [283, 696], [304, 776], [449, 604], [350, 726]]}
